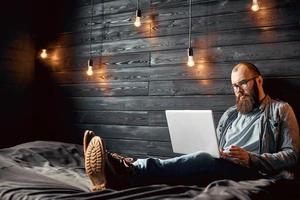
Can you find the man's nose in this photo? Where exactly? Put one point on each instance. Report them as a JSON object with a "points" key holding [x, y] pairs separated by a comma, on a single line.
{"points": [[240, 92]]}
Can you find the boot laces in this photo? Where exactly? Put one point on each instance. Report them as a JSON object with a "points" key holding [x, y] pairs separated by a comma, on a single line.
{"points": [[121, 159]]}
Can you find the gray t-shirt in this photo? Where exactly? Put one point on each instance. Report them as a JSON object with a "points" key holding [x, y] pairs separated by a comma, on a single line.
{"points": [[244, 132]]}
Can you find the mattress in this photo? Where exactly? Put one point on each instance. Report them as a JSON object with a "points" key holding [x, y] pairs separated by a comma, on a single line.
{"points": [[55, 170]]}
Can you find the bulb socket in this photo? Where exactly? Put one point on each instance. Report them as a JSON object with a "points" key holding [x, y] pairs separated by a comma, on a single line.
{"points": [[190, 51], [138, 13], [90, 62]]}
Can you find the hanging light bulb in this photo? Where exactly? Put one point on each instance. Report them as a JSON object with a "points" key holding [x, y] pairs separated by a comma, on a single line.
{"points": [[44, 54], [138, 15], [190, 52], [90, 72], [254, 6], [190, 62]]}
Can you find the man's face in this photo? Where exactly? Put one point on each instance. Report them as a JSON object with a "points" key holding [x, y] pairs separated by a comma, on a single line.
{"points": [[246, 90], [246, 101]]}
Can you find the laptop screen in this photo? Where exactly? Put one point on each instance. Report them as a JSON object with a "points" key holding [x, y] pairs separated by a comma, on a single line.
{"points": [[192, 131]]}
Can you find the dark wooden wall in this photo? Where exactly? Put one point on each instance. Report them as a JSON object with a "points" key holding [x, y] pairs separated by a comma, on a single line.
{"points": [[141, 72]]}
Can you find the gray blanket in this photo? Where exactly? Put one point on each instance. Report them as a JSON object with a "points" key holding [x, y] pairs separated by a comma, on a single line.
{"points": [[54, 170]]}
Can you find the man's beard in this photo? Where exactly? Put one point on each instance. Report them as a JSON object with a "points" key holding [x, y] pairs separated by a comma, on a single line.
{"points": [[249, 102]]}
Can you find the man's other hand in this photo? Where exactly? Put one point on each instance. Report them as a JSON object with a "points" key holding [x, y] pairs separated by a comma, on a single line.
{"points": [[237, 155]]}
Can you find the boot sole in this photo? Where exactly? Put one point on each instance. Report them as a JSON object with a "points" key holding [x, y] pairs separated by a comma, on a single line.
{"points": [[95, 163]]}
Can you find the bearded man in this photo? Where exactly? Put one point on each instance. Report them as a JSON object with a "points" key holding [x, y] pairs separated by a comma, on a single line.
{"points": [[260, 136]]}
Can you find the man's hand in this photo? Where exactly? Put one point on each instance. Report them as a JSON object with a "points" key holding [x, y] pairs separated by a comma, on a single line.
{"points": [[239, 155]]}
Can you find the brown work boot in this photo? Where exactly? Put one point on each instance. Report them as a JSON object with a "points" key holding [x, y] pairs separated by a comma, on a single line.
{"points": [[106, 169], [88, 135], [119, 169], [95, 163]]}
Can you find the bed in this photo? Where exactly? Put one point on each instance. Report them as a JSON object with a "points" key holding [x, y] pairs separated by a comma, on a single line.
{"points": [[55, 170]]}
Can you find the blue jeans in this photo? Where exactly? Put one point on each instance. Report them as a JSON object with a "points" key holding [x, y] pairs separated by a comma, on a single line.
{"points": [[193, 169]]}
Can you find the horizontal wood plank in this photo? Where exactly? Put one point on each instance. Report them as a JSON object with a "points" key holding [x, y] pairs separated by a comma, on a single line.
{"points": [[111, 7], [215, 87], [138, 118], [128, 118], [249, 52], [120, 6], [71, 62], [102, 74], [190, 87], [106, 89], [269, 68], [147, 148], [112, 33], [216, 4], [153, 103], [137, 59], [127, 132]]}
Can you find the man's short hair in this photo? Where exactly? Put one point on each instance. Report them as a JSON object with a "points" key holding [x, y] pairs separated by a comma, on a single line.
{"points": [[250, 66]]}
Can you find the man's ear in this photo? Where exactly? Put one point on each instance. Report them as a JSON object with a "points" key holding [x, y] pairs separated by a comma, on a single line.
{"points": [[260, 80]]}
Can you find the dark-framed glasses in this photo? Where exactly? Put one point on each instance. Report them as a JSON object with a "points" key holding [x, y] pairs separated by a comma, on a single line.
{"points": [[242, 84]]}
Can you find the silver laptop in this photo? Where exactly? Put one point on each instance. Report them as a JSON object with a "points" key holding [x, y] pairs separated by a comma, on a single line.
{"points": [[192, 131]]}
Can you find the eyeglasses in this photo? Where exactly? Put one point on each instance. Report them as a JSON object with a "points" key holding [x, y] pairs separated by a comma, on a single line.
{"points": [[242, 84]]}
